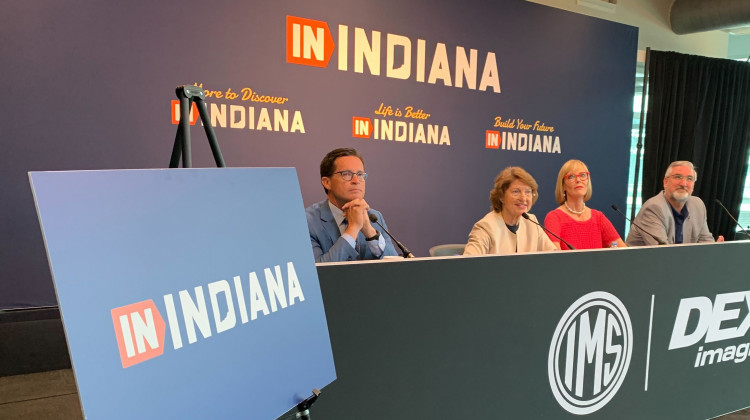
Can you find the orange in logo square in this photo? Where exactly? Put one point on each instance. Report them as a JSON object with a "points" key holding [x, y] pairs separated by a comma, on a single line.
{"points": [[140, 332], [308, 42], [176, 113], [492, 139], [361, 127]]}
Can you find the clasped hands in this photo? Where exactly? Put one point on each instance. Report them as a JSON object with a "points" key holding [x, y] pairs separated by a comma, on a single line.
{"points": [[358, 219]]}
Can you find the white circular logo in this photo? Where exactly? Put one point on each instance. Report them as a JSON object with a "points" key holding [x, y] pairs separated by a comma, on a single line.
{"points": [[590, 353]]}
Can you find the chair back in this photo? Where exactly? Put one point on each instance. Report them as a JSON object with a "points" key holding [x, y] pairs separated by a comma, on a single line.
{"points": [[447, 250]]}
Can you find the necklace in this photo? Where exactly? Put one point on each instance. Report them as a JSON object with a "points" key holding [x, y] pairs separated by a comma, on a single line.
{"points": [[573, 211]]}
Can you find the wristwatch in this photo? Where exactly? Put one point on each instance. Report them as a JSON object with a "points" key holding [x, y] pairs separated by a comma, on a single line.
{"points": [[374, 237]]}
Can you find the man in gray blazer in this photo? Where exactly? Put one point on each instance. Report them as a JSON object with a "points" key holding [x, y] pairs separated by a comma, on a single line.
{"points": [[673, 216], [340, 228]]}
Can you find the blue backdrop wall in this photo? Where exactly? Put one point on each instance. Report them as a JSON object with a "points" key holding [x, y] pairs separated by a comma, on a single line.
{"points": [[472, 87]]}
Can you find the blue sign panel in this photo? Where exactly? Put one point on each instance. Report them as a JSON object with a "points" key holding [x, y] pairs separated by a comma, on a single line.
{"points": [[185, 293]]}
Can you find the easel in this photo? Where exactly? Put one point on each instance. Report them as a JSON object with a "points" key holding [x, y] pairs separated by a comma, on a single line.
{"points": [[303, 408], [187, 94]]}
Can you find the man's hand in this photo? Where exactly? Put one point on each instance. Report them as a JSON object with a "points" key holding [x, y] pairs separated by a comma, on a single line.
{"points": [[720, 238], [358, 219]]}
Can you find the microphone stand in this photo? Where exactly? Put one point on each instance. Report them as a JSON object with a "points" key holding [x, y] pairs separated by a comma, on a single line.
{"points": [[659, 241], [732, 217], [526, 216], [404, 251]]}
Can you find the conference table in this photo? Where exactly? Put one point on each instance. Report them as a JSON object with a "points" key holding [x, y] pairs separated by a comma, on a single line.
{"points": [[651, 332]]}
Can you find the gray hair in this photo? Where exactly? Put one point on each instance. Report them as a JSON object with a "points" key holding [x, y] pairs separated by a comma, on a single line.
{"points": [[680, 163]]}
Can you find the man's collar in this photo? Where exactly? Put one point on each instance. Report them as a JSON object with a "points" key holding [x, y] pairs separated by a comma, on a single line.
{"points": [[682, 213], [338, 214]]}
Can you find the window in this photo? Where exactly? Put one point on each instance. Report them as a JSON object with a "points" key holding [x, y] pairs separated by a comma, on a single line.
{"points": [[744, 217], [634, 148]]}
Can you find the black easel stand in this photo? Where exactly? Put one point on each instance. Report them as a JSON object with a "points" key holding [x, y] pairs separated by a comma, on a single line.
{"points": [[187, 94], [304, 406]]}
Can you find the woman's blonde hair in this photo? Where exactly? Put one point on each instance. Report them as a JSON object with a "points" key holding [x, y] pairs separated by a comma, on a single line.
{"points": [[564, 171]]}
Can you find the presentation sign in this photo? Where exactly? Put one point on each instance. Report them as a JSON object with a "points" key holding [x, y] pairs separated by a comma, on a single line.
{"points": [[185, 293], [438, 97]]}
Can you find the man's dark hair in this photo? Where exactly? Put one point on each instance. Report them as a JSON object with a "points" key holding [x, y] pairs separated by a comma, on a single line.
{"points": [[327, 164]]}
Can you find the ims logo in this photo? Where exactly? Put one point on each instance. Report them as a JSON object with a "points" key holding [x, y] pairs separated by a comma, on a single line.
{"points": [[590, 353]]}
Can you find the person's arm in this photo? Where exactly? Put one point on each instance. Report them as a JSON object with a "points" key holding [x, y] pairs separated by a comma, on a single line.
{"points": [[705, 235], [357, 211], [609, 233], [544, 243], [651, 220], [342, 250], [479, 241], [384, 244]]}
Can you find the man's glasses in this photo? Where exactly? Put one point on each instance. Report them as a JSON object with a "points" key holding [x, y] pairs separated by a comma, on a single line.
{"points": [[581, 175], [679, 178], [348, 175]]}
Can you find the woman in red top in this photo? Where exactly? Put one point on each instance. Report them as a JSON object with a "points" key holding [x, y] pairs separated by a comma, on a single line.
{"points": [[580, 226]]}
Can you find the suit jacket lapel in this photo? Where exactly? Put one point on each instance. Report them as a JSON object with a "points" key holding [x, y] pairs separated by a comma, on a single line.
{"points": [[670, 220], [329, 222], [687, 227]]}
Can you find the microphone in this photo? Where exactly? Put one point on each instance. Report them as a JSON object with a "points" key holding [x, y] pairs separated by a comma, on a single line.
{"points": [[404, 251], [526, 216], [732, 217], [614, 207]]}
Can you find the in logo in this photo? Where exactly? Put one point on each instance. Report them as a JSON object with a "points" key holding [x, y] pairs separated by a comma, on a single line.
{"points": [[176, 113], [361, 127], [308, 42], [492, 139], [590, 353], [139, 328]]}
